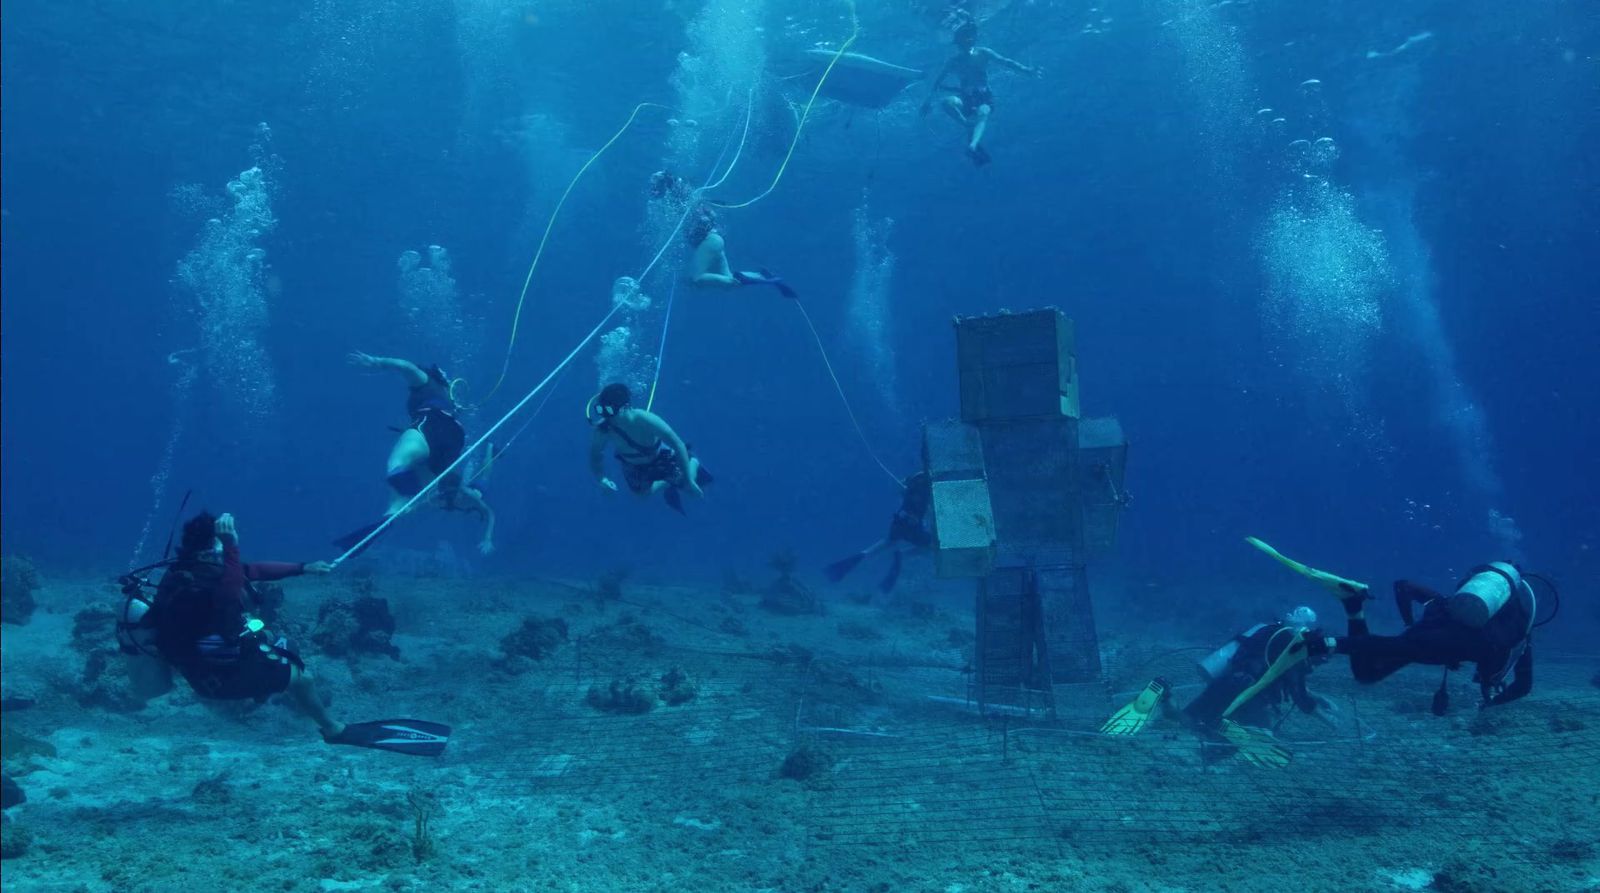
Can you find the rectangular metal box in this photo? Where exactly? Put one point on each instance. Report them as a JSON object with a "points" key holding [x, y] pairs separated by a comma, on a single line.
{"points": [[963, 528], [1016, 366]]}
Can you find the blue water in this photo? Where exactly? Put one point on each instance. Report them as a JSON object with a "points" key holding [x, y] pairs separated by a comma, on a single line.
{"points": [[1357, 351]]}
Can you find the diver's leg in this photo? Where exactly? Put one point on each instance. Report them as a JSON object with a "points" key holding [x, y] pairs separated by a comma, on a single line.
{"points": [[410, 451], [302, 688], [952, 106], [980, 125]]}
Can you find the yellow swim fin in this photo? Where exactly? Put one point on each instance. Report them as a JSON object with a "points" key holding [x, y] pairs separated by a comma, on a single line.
{"points": [[1132, 718], [1341, 587], [1256, 746], [1295, 652]]}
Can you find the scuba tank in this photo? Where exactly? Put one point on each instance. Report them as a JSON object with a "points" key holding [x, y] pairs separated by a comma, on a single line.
{"points": [[1215, 665], [1485, 591], [136, 630]]}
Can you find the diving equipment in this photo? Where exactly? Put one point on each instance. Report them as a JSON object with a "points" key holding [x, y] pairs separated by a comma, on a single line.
{"points": [[408, 736], [1132, 718], [1295, 652], [1485, 591], [1351, 593], [1256, 746]]}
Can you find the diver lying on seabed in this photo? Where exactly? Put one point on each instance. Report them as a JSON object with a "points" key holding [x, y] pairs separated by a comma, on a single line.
{"points": [[1248, 681], [1488, 621]]}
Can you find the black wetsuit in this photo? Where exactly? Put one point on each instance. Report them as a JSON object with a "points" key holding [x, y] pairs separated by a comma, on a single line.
{"points": [[433, 413], [909, 523], [1258, 647], [1501, 648]]}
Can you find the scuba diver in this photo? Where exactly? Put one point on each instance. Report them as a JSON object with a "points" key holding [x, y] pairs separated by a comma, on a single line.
{"points": [[971, 103], [199, 622], [1247, 682], [907, 526], [432, 442], [654, 458], [1488, 621]]}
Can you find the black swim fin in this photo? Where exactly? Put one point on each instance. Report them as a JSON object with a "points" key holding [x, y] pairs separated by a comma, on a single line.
{"points": [[349, 540], [840, 569], [415, 737], [674, 498], [701, 476]]}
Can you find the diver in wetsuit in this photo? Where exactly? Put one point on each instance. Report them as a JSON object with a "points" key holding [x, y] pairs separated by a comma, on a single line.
{"points": [[654, 458], [430, 444], [199, 622], [1488, 622], [1248, 681], [908, 526], [972, 102]]}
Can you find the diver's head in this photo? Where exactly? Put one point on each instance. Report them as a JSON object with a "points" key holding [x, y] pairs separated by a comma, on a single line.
{"points": [[199, 536], [611, 400], [661, 183], [966, 35], [1301, 618], [703, 223]]}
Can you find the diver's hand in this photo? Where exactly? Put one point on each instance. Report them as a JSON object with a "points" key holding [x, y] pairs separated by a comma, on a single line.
{"points": [[363, 360], [486, 547], [318, 568], [608, 484], [225, 529]]}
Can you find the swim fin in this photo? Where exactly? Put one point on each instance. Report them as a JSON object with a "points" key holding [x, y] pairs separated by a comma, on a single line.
{"points": [[1296, 652], [1349, 592], [1256, 746], [415, 737], [674, 498], [840, 569], [979, 156], [1133, 718], [349, 540]]}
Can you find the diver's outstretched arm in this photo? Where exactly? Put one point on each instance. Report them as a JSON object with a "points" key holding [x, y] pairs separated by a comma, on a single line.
{"points": [[408, 370]]}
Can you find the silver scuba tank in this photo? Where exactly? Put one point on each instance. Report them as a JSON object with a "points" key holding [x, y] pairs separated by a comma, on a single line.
{"points": [[1215, 665], [1486, 591]]}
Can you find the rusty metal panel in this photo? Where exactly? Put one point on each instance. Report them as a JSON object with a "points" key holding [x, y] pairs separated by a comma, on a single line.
{"points": [[1069, 629], [1016, 365], [1102, 464], [963, 528], [1033, 484]]}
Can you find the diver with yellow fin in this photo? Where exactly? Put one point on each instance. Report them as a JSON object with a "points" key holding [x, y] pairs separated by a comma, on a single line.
{"points": [[1488, 621], [1248, 680]]}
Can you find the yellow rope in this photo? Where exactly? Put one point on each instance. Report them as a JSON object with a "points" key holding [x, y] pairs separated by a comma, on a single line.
{"points": [[522, 298], [855, 31]]}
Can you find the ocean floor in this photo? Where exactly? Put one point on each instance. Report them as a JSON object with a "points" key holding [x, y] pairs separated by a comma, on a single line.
{"points": [[672, 739]]}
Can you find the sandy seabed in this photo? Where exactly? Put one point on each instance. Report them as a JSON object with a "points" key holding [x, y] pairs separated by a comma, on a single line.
{"points": [[824, 752]]}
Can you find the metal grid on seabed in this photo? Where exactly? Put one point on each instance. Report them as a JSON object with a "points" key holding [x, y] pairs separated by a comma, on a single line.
{"points": [[909, 770], [949, 778]]}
